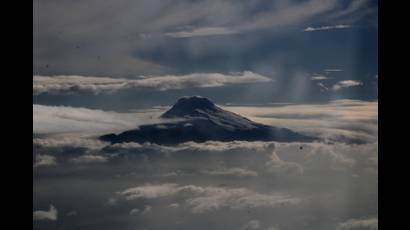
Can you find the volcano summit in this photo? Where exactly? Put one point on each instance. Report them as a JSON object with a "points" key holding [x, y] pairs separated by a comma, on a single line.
{"points": [[200, 120]]}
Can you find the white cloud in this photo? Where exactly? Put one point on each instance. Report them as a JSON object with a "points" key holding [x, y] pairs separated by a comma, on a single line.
{"points": [[203, 199], [134, 211], [86, 159], [97, 85], [351, 119], [319, 77], [252, 224], [204, 31], [346, 84], [174, 205], [311, 29], [51, 214], [44, 160], [370, 224]]}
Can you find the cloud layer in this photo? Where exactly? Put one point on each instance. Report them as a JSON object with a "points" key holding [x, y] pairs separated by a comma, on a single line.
{"points": [[349, 119], [97, 85], [344, 119]]}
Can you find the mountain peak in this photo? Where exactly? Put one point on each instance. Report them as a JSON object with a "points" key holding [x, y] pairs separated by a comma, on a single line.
{"points": [[190, 106], [204, 121]]}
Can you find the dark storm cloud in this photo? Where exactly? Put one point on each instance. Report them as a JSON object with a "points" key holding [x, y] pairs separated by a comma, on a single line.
{"points": [[93, 38]]}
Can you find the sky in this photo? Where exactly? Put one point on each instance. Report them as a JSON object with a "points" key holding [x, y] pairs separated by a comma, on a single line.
{"points": [[104, 67], [321, 49]]}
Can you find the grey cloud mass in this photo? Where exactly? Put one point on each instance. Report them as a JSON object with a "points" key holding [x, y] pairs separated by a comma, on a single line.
{"points": [[252, 224], [280, 178], [44, 160]]}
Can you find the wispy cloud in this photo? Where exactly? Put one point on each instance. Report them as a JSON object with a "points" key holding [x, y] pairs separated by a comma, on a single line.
{"points": [[311, 29], [339, 85], [204, 31], [352, 224], [322, 86], [63, 119], [98, 85], [232, 172], [87, 159], [207, 198], [333, 70]]}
